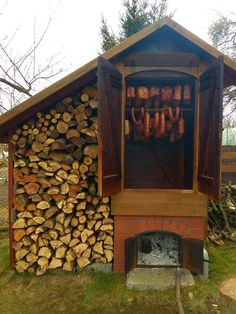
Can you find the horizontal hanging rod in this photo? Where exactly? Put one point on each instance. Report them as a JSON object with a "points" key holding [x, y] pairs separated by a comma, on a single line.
{"points": [[159, 109]]}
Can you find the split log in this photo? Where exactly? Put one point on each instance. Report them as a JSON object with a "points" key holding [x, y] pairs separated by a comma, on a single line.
{"points": [[98, 247], [83, 261], [109, 255], [62, 127], [68, 265], [80, 248], [19, 234], [21, 253], [61, 252], [43, 205], [32, 188], [37, 146], [45, 252]]}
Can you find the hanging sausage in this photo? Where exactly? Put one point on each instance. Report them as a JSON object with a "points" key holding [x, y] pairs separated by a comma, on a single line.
{"points": [[166, 97], [177, 95], [127, 128], [155, 95], [181, 126], [137, 124], [172, 117], [187, 94], [142, 99], [143, 92], [162, 124], [147, 124], [130, 96], [155, 124]]}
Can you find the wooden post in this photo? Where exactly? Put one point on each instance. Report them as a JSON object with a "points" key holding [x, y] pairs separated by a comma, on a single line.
{"points": [[10, 202]]}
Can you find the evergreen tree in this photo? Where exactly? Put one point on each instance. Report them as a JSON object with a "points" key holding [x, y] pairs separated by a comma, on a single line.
{"points": [[140, 13], [135, 16], [108, 38]]}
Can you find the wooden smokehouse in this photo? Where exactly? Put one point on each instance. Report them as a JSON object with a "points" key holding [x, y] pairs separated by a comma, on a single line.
{"points": [[118, 159]]}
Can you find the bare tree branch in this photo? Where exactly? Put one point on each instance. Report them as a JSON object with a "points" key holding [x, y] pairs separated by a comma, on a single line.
{"points": [[17, 87], [21, 76]]}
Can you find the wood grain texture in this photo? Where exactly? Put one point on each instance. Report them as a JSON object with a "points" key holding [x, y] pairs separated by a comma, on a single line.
{"points": [[228, 168], [10, 203], [228, 155], [210, 130], [159, 203], [109, 124], [162, 59]]}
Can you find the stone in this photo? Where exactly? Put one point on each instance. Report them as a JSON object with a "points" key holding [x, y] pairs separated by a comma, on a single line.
{"points": [[100, 267], [157, 278], [228, 294]]}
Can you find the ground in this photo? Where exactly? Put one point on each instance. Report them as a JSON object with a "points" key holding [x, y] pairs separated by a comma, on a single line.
{"points": [[106, 293]]}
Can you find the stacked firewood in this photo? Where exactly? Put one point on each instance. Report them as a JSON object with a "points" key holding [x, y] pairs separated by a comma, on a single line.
{"points": [[60, 222], [222, 217]]}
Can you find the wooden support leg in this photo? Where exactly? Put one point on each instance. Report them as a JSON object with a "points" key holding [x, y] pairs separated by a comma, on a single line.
{"points": [[10, 203]]}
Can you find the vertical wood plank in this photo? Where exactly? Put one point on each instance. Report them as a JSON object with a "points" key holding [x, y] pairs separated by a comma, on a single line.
{"points": [[121, 68], [210, 129], [181, 169], [196, 132], [109, 125], [10, 202]]}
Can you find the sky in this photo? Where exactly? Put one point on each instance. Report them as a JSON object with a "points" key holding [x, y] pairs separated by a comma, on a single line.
{"points": [[74, 29]]}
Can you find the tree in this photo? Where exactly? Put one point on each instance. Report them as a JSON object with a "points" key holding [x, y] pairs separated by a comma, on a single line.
{"points": [[137, 14], [108, 37], [222, 33], [21, 75]]}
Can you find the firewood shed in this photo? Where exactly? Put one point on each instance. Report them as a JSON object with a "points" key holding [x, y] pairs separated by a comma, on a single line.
{"points": [[116, 161]]}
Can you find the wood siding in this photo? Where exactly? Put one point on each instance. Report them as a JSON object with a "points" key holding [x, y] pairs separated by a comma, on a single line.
{"points": [[159, 203], [229, 164]]}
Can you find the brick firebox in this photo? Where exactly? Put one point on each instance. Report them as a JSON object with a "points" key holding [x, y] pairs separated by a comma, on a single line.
{"points": [[129, 226]]}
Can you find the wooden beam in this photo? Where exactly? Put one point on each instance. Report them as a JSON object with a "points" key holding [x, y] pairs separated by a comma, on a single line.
{"points": [[228, 155], [10, 204], [228, 168], [175, 59], [4, 140], [128, 70], [159, 203]]}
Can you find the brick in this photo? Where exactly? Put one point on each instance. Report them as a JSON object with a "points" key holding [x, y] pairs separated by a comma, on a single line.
{"points": [[181, 229], [118, 267], [120, 259], [122, 236], [123, 229], [198, 233], [119, 245]]}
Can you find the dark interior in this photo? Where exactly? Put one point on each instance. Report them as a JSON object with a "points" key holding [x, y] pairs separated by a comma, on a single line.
{"points": [[159, 163]]}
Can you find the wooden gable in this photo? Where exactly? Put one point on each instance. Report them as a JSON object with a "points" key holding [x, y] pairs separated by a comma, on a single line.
{"points": [[153, 38]]}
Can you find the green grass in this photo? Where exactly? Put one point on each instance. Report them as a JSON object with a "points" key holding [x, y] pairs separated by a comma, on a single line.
{"points": [[4, 249], [106, 293]]}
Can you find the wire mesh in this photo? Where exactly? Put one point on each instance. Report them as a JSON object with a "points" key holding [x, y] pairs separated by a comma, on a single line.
{"points": [[3, 186]]}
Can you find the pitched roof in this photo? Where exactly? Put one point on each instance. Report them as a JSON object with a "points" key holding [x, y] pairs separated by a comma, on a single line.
{"points": [[7, 119]]}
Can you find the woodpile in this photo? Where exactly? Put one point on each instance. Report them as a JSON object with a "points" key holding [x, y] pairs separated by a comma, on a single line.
{"points": [[60, 222], [222, 217]]}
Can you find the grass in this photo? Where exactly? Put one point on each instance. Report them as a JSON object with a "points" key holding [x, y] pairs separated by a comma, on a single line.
{"points": [[106, 293]]}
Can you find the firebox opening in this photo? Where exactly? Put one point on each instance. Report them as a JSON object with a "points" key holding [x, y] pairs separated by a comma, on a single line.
{"points": [[160, 249]]}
